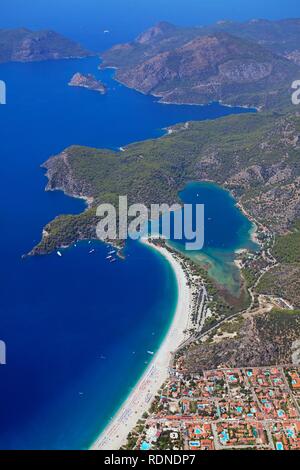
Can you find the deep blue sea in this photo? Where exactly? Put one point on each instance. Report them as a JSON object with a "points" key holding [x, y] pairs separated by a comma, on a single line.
{"points": [[78, 328]]}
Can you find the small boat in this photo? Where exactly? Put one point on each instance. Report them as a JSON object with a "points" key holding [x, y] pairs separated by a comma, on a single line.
{"points": [[59, 253], [91, 251], [113, 260], [112, 252], [109, 257], [150, 352], [106, 31]]}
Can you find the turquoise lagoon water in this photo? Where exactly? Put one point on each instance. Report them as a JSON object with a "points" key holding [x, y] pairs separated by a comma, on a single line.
{"points": [[78, 328], [226, 230]]}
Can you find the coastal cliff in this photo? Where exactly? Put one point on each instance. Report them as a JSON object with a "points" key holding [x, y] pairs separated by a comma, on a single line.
{"points": [[61, 176]]}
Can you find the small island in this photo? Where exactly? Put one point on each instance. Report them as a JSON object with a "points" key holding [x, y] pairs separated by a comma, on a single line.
{"points": [[87, 81]]}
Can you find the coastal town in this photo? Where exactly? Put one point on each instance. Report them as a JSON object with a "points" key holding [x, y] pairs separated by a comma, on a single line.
{"points": [[234, 408], [249, 408], [224, 408]]}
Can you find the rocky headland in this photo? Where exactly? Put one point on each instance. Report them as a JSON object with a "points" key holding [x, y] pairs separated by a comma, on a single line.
{"points": [[24, 45]]}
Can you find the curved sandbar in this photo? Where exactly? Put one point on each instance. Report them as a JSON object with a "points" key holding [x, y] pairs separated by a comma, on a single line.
{"points": [[115, 434]]}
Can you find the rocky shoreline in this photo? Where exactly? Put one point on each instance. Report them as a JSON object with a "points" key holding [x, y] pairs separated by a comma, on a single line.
{"points": [[87, 81]]}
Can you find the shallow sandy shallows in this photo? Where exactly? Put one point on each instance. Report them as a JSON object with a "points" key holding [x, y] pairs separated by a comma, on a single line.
{"points": [[115, 434]]}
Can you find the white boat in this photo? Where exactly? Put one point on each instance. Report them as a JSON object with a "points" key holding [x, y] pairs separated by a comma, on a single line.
{"points": [[112, 252], [59, 253], [109, 257], [91, 251], [150, 352]]}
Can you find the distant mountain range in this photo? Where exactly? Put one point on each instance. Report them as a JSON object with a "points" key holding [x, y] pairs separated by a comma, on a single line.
{"points": [[23, 45], [249, 64]]}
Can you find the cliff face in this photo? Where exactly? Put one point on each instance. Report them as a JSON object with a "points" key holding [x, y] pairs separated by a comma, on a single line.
{"points": [[280, 37], [23, 45], [160, 38], [61, 176], [156, 33], [188, 66]]}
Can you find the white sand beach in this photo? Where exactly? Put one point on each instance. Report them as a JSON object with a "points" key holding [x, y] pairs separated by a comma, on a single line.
{"points": [[115, 434]]}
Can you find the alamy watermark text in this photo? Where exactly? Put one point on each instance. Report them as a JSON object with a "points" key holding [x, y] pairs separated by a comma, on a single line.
{"points": [[185, 223]]}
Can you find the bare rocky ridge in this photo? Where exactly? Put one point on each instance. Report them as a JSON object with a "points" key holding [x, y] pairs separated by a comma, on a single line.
{"points": [[256, 340], [280, 37], [156, 33], [200, 65]]}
